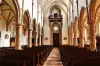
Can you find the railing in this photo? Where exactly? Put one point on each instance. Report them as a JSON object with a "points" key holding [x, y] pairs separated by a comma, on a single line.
{"points": [[55, 17]]}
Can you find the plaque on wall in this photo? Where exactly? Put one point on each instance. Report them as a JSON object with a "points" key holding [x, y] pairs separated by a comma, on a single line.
{"points": [[6, 36], [46, 38], [65, 38]]}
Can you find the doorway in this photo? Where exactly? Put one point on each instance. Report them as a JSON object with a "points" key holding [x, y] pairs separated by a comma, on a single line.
{"points": [[55, 39]]}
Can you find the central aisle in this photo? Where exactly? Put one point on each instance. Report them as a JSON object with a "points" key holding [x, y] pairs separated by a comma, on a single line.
{"points": [[54, 58]]}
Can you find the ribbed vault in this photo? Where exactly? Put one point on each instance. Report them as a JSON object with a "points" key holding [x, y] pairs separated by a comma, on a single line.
{"points": [[9, 12]]}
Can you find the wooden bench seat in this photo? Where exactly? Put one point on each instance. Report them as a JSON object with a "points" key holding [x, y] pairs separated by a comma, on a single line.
{"points": [[33, 56], [74, 56]]}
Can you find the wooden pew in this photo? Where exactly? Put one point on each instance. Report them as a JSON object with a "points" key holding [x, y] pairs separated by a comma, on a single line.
{"points": [[74, 56], [32, 56]]}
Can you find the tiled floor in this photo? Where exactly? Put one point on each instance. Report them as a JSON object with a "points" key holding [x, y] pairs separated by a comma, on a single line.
{"points": [[53, 59]]}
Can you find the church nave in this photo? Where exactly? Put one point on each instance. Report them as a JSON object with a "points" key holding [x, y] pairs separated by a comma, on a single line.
{"points": [[49, 32]]}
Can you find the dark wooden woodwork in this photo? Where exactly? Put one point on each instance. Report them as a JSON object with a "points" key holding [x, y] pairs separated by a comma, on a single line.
{"points": [[75, 56], [27, 57], [55, 17]]}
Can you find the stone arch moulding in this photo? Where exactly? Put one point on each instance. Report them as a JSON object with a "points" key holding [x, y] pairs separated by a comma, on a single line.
{"points": [[58, 4], [52, 2], [81, 23], [27, 20], [55, 7], [94, 7], [60, 32]]}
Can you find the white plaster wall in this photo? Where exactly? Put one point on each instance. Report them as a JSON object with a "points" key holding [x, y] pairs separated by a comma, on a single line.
{"points": [[46, 29], [55, 11], [24, 40], [4, 42], [64, 28]]}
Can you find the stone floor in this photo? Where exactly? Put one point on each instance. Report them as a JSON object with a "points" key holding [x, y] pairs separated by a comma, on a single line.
{"points": [[53, 59]]}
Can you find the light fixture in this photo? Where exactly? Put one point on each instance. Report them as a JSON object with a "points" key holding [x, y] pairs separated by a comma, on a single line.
{"points": [[56, 28]]}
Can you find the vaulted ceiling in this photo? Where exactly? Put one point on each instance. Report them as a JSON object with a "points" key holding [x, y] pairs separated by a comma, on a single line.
{"points": [[9, 12], [47, 4]]}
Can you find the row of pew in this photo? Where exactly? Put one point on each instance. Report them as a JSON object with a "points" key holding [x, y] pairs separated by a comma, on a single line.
{"points": [[75, 56], [35, 56]]}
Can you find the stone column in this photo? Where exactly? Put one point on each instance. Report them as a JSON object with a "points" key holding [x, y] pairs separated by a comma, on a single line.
{"points": [[39, 32], [34, 34], [71, 39], [68, 37], [36, 38], [92, 38], [18, 37], [99, 29], [29, 38], [75, 39], [81, 38], [72, 35], [40, 40]]}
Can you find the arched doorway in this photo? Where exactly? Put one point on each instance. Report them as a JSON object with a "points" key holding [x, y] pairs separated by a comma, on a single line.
{"points": [[56, 34]]}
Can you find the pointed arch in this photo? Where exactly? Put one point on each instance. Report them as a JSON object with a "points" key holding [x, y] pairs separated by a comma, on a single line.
{"points": [[82, 17], [26, 20], [9, 12]]}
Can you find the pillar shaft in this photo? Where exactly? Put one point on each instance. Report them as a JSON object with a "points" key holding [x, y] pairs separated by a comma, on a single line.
{"points": [[81, 38], [92, 38], [18, 37], [68, 39], [71, 39], [30, 38], [40, 40], [36, 38], [75, 39], [71, 36], [34, 35], [35, 41]]}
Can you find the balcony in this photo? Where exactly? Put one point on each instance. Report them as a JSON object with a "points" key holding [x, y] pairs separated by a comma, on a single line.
{"points": [[55, 17]]}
